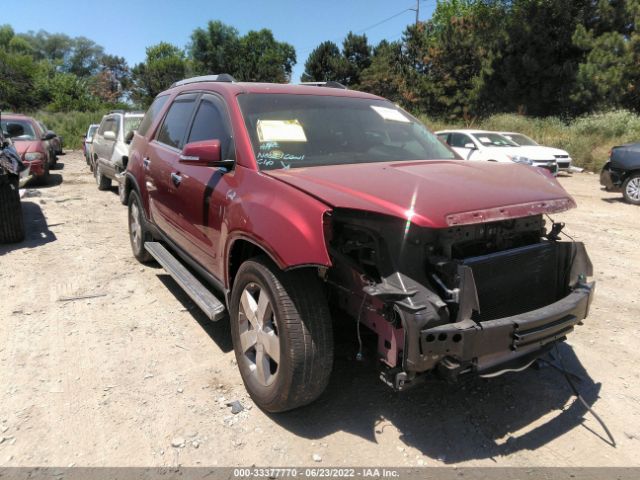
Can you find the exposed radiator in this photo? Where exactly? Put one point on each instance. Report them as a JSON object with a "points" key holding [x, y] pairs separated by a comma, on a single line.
{"points": [[518, 280]]}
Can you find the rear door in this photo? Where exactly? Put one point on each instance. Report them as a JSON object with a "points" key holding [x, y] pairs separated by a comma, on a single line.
{"points": [[203, 192], [161, 160]]}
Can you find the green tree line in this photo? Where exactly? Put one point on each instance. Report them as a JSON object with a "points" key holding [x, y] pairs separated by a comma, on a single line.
{"points": [[474, 58], [58, 73]]}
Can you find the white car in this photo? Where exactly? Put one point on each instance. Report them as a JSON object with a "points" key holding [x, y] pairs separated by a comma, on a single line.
{"points": [[493, 147], [110, 147], [562, 156]]}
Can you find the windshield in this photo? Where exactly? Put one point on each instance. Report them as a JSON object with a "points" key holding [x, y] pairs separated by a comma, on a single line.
{"points": [[520, 139], [18, 130], [494, 140], [293, 131], [131, 123]]}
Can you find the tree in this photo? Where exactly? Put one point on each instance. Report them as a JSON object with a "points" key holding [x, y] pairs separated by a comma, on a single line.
{"points": [[164, 65], [357, 53], [17, 76], [254, 57], [264, 59], [539, 61], [450, 58], [609, 75], [325, 63], [386, 75], [215, 50], [85, 57]]}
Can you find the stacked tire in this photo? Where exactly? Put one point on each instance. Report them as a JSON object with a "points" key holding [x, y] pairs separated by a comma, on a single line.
{"points": [[11, 222]]}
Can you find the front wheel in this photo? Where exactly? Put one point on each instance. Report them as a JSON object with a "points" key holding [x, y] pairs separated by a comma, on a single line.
{"points": [[11, 222], [631, 189], [282, 335], [122, 192], [104, 183]]}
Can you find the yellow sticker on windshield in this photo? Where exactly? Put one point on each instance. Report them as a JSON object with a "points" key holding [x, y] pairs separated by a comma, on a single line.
{"points": [[391, 114], [280, 131]]}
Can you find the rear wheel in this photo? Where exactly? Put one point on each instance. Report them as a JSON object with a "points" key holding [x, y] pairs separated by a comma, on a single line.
{"points": [[11, 221], [104, 183], [631, 189], [282, 334], [138, 232]]}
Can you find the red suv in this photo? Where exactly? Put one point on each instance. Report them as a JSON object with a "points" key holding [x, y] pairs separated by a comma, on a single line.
{"points": [[288, 200]]}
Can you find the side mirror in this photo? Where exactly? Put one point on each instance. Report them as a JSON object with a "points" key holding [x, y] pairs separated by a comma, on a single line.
{"points": [[49, 135], [470, 146], [109, 135], [129, 137], [205, 153]]}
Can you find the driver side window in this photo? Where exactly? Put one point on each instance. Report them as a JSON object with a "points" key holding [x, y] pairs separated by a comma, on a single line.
{"points": [[459, 140], [210, 123]]}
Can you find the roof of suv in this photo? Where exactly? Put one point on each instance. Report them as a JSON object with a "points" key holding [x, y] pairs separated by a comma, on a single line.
{"points": [[251, 87]]}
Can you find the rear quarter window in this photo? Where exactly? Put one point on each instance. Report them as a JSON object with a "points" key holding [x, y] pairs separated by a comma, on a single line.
{"points": [[152, 114]]}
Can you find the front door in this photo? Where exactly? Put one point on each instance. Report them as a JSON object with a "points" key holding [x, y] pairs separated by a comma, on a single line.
{"points": [[206, 191]]}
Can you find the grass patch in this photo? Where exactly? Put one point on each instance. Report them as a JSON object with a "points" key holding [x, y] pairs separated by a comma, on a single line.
{"points": [[588, 139], [72, 126]]}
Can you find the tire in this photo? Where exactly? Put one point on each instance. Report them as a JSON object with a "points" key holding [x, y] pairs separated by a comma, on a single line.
{"points": [[104, 183], [296, 313], [138, 232], [44, 178], [11, 221], [631, 189], [122, 193]]}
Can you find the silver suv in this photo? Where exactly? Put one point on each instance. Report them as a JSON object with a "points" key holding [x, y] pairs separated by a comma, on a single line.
{"points": [[110, 148]]}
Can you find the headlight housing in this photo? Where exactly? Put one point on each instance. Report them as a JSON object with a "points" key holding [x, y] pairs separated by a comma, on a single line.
{"points": [[521, 159], [29, 157]]}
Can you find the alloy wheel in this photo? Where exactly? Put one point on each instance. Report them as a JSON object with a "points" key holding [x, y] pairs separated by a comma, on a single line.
{"points": [[258, 331], [633, 189]]}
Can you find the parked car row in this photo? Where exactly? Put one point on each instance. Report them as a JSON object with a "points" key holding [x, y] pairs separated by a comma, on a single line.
{"points": [[505, 147], [274, 205]]}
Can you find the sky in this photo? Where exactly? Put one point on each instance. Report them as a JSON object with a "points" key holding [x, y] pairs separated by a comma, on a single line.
{"points": [[126, 28]]}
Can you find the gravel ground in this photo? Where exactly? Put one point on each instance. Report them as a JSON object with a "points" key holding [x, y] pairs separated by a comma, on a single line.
{"points": [[134, 374]]}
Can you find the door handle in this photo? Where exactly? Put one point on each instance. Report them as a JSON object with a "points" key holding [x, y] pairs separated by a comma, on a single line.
{"points": [[146, 162], [176, 179]]}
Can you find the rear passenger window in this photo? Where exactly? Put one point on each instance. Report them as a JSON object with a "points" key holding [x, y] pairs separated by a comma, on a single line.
{"points": [[152, 114], [210, 123], [174, 126], [459, 140]]}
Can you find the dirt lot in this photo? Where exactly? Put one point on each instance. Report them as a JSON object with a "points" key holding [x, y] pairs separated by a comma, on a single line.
{"points": [[136, 376]]}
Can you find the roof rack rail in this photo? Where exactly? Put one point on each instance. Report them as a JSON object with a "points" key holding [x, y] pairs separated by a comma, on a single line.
{"points": [[222, 77], [124, 112], [329, 84]]}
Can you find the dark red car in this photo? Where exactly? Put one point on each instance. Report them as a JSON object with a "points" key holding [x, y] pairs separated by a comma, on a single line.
{"points": [[31, 142], [288, 200]]}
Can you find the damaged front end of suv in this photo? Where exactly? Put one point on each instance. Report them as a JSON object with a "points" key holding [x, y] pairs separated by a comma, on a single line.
{"points": [[484, 295]]}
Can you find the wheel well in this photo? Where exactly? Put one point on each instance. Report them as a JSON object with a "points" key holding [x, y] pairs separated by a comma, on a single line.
{"points": [[241, 250]]}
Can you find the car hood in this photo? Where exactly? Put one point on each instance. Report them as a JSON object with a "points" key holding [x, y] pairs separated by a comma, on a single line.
{"points": [[534, 152], [25, 146], [434, 194], [556, 151]]}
